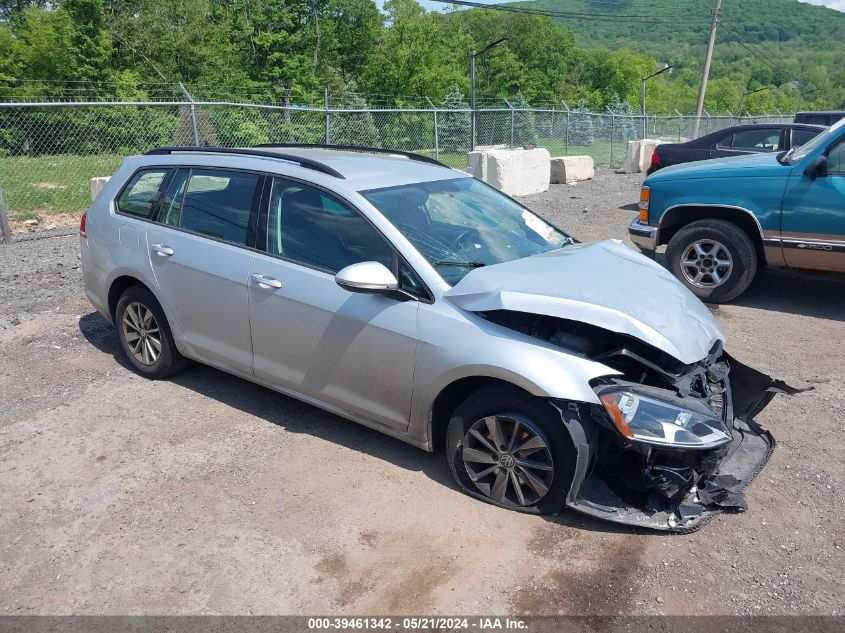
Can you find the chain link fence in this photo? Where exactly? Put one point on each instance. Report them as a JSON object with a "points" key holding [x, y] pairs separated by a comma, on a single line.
{"points": [[50, 151]]}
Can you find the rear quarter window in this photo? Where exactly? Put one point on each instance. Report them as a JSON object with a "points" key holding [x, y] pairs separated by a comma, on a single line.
{"points": [[140, 195]]}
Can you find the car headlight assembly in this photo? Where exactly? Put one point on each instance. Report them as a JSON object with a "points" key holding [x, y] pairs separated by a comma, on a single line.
{"points": [[649, 420]]}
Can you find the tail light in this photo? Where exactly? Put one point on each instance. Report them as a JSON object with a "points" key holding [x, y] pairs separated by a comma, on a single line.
{"points": [[655, 159], [82, 230]]}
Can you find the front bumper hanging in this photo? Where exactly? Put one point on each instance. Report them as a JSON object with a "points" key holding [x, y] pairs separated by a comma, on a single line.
{"points": [[739, 463]]}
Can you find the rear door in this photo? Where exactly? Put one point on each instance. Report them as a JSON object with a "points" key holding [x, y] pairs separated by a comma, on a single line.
{"points": [[750, 141], [198, 251], [813, 217], [353, 351]]}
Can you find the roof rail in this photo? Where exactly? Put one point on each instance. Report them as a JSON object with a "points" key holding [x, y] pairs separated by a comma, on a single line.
{"points": [[358, 148], [299, 160]]}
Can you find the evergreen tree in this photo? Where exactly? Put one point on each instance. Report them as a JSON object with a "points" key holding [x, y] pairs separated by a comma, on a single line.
{"points": [[454, 129], [524, 123], [353, 128], [581, 128], [624, 124]]}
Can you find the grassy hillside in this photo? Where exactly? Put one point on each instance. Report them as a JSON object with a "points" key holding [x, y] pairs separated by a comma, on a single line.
{"points": [[795, 41]]}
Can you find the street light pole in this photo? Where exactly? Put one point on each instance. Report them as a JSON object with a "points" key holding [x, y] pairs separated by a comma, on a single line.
{"points": [[642, 93], [472, 57]]}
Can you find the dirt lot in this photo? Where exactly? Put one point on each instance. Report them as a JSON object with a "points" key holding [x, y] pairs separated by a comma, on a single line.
{"points": [[206, 494]]}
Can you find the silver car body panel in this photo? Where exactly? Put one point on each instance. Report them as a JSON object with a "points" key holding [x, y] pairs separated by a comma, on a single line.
{"points": [[382, 360], [605, 284], [401, 380], [639, 298]]}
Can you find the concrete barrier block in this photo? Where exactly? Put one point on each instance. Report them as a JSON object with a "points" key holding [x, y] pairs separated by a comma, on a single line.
{"points": [[638, 156], [476, 162], [568, 169], [516, 172], [97, 184]]}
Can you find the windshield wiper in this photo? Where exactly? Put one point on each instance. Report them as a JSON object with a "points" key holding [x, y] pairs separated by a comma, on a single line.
{"points": [[443, 262], [783, 157]]}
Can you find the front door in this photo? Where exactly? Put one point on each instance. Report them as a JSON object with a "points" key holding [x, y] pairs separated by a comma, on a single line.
{"points": [[813, 217], [200, 263], [353, 351]]}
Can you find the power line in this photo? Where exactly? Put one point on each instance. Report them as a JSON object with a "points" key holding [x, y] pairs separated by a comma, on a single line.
{"points": [[572, 15], [738, 39]]}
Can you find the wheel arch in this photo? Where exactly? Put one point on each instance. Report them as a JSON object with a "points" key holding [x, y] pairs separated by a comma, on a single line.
{"points": [[118, 286], [126, 279], [677, 217], [452, 395]]}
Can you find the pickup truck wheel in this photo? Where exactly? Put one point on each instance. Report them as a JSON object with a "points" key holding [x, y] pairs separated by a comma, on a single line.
{"points": [[715, 259]]}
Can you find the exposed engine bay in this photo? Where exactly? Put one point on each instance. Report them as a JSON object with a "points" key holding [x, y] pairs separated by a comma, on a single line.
{"points": [[671, 444]]}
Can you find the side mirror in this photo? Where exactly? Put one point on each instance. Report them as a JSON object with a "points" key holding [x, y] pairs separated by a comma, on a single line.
{"points": [[367, 277], [818, 168]]}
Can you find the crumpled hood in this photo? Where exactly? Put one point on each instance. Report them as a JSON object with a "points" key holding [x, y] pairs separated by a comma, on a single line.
{"points": [[605, 284]]}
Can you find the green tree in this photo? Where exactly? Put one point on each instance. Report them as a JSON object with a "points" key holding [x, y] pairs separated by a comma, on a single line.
{"points": [[418, 53], [455, 126], [524, 123], [581, 126], [624, 124], [353, 128], [9, 62], [89, 41]]}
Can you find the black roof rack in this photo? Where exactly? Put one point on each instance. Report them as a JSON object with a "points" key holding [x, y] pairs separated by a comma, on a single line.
{"points": [[302, 162], [358, 148]]}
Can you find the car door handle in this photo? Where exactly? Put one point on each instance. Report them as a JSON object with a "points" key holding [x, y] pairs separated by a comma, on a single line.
{"points": [[266, 282], [162, 250]]}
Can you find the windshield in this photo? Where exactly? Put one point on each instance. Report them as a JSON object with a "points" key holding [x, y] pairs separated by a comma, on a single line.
{"points": [[797, 154], [462, 224]]}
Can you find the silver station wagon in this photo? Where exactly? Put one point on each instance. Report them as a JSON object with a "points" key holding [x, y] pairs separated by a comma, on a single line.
{"points": [[406, 296]]}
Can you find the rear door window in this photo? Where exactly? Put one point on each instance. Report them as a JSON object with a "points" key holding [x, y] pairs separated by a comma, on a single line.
{"points": [[762, 140], [216, 203], [140, 195]]}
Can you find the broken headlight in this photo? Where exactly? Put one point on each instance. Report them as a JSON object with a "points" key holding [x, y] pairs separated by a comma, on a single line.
{"points": [[650, 420]]}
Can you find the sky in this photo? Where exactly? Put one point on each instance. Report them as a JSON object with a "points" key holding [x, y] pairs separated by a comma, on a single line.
{"points": [[839, 5]]}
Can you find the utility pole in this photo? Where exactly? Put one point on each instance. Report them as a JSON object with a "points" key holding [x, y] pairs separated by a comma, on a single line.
{"points": [[706, 72]]}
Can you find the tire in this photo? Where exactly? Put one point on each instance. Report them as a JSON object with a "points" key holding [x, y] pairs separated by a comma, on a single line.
{"points": [[703, 245], [536, 419], [143, 330]]}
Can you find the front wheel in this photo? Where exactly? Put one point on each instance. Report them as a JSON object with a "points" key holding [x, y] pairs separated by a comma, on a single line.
{"points": [[715, 259], [511, 449]]}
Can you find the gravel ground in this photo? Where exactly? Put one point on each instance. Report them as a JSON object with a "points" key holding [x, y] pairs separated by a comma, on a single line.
{"points": [[205, 494]]}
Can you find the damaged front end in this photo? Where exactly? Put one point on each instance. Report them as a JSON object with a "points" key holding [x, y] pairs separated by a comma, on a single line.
{"points": [[671, 453], [671, 444]]}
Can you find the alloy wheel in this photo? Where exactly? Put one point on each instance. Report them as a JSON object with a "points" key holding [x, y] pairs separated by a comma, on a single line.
{"points": [[142, 334], [508, 460], [706, 263]]}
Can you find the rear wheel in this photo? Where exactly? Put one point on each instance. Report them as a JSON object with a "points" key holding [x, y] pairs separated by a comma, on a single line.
{"points": [[715, 259], [145, 334], [511, 449]]}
